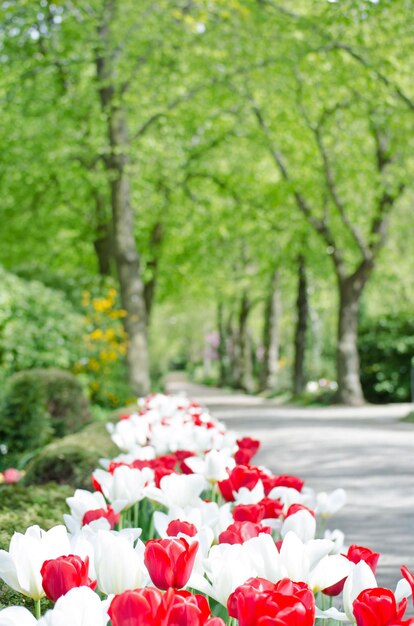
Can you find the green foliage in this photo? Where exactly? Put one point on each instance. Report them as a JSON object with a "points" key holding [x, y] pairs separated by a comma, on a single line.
{"points": [[25, 424], [38, 327], [66, 465], [387, 352], [40, 403], [186, 77], [72, 459]]}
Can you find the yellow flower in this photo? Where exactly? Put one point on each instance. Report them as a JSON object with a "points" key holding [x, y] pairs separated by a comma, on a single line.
{"points": [[101, 304], [115, 315], [86, 298], [109, 334]]}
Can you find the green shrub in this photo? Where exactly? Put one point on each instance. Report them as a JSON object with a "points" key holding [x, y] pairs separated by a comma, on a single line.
{"points": [[386, 347], [66, 465], [40, 403], [72, 459], [66, 402], [38, 326], [25, 423]]}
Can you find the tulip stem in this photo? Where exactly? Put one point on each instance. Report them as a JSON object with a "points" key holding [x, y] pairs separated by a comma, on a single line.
{"points": [[136, 515], [151, 526], [37, 609]]}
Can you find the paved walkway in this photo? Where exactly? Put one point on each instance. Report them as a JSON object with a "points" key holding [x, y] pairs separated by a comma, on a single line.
{"points": [[367, 451]]}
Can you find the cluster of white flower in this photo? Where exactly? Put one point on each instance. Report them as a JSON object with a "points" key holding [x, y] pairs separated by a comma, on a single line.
{"points": [[183, 507]]}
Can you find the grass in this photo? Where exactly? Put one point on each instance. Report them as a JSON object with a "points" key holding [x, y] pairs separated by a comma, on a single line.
{"points": [[408, 419]]}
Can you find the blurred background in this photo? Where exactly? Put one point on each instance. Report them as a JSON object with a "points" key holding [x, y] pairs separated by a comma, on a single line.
{"points": [[223, 188]]}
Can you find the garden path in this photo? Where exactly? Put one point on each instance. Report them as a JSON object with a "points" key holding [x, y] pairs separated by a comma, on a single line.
{"points": [[367, 451]]}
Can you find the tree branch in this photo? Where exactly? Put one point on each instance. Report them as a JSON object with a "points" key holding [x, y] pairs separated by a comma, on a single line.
{"points": [[334, 45], [328, 170], [379, 75], [387, 199], [319, 225], [173, 104]]}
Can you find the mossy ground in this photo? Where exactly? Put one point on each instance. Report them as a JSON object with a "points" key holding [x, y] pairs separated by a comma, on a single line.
{"points": [[71, 460]]}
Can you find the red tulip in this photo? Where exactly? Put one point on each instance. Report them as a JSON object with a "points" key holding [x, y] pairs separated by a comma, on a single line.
{"points": [[249, 513], [241, 476], [355, 554], [247, 449], [108, 514], [181, 456], [260, 603], [186, 608], [378, 607], [159, 473], [12, 475], [239, 532], [292, 482], [170, 561], [64, 573], [124, 416], [150, 607], [294, 508], [95, 484], [273, 508], [115, 464], [137, 608], [246, 596], [409, 577], [360, 553], [177, 526]]}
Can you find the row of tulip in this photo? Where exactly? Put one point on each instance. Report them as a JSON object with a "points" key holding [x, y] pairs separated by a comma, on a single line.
{"points": [[182, 529]]}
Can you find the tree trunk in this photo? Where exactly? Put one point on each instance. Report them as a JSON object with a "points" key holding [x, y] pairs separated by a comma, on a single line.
{"points": [[222, 347], [349, 384], [103, 236], [156, 238], [125, 250], [127, 259], [243, 375], [302, 309], [271, 335]]}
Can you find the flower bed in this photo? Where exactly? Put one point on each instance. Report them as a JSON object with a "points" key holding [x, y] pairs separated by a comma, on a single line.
{"points": [[183, 529]]}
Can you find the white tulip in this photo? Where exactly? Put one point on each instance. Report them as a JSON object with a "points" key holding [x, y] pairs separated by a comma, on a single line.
{"points": [[327, 504], [264, 557], [129, 433], [298, 559], [329, 571], [125, 486], [214, 466], [360, 578], [81, 502], [20, 566], [249, 496], [226, 567], [118, 564], [302, 523], [16, 616], [180, 490], [79, 607], [338, 538]]}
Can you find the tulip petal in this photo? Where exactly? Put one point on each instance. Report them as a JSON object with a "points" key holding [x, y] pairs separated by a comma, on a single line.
{"points": [[16, 616]]}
